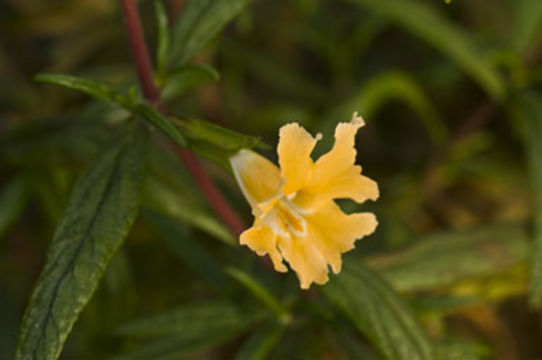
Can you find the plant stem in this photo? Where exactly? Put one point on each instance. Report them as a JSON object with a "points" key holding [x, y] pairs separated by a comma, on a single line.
{"points": [[140, 52], [142, 60]]}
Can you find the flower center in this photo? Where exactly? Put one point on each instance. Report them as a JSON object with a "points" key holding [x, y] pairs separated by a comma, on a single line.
{"points": [[281, 215]]}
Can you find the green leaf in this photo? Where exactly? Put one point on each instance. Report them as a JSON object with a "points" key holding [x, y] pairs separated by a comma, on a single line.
{"points": [[198, 24], [189, 251], [528, 110], [442, 259], [348, 346], [162, 36], [260, 343], [527, 24], [392, 85], [187, 330], [275, 75], [422, 20], [379, 313], [260, 293], [102, 209], [165, 201], [197, 318], [104, 92], [226, 139], [186, 78], [216, 143], [89, 87], [12, 202], [462, 349], [152, 115]]}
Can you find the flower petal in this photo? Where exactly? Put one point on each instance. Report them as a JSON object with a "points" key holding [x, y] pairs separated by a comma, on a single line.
{"points": [[334, 173], [262, 240], [258, 177], [294, 150], [334, 232], [305, 259]]}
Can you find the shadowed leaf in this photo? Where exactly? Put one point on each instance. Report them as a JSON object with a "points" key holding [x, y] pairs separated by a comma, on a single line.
{"points": [[424, 21], [12, 201], [379, 313], [198, 24]]}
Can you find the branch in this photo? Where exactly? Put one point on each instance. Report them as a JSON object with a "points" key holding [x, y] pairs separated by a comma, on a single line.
{"points": [[142, 60]]}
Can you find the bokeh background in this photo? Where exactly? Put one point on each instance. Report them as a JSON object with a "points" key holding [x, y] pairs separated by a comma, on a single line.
{"points": [[451, 97]]}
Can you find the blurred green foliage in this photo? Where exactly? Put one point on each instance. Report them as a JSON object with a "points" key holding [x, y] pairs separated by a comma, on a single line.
{"points": [[451, 94]]}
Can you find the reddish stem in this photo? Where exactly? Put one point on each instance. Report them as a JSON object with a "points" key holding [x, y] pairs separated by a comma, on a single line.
{"points": [[140, 52], [142, 60]]}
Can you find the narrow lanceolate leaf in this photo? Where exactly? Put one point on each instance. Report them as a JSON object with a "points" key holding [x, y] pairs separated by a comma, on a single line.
{"points": [[188, 250], [191, 319], [222, 138], [379, 313], [527, 24], [150, 114], [163, 200], [260, 343], [199, 23], [422, 20], [12, 200], [446, 258], [528, 110], [89, 87], [102, 209], [104, 92], [388, 86], [163, 36], [260, 292], [187, 330], [188, 77]]}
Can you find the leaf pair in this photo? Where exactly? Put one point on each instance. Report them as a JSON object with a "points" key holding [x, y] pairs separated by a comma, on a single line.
{"points": [[211, 140]]}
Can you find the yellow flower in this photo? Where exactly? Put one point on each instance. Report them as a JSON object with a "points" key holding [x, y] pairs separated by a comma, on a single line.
{"points": [[296, 217]]}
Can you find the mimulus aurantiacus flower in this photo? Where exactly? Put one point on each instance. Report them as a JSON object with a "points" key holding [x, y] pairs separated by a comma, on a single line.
{"points": [[295, 216]]}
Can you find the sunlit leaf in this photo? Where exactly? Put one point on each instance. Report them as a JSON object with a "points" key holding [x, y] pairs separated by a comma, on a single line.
{"points": [[379, 313], [102, 209], [422, 19], [458, 349], [440, 260]]}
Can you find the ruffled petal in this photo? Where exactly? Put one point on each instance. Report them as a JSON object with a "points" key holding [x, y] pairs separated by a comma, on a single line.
{"points": [[305, 259], [294, 150], [334, 232], [258, 177], [262, 240], [334, 173]]}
